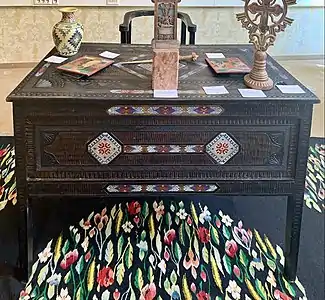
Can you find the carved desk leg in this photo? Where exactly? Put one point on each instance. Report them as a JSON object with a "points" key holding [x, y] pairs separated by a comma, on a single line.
{"points": [[295, 204], [24, 232]]}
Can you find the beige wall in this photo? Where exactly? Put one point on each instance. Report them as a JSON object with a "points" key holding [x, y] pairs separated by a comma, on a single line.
{"points": [[25, 32]]}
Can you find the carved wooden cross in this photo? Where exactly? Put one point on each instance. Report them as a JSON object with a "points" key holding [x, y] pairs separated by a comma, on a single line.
{"points": [[265, 9]]}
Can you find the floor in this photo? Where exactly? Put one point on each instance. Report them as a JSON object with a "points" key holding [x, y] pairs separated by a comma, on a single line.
{"points": [[309, 72]]}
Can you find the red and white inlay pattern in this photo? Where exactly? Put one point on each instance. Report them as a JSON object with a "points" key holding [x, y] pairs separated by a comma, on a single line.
{"points": [[222, 148], [104, 148]]}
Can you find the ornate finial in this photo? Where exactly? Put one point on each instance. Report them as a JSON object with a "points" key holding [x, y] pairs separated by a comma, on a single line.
{"points": [[263, 19]]}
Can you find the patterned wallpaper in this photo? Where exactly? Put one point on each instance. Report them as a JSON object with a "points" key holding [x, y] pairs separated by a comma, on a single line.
{"points": [[25, 32]]}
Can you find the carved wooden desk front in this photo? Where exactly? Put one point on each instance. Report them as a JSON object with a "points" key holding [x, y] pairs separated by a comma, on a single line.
{"points": [[108, 136]]}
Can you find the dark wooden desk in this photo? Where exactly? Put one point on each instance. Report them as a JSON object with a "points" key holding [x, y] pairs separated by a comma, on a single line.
{"points": [[108, 136]]}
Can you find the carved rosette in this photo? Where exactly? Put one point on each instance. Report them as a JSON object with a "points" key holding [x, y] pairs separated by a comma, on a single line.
{"points": [[263, 19]]}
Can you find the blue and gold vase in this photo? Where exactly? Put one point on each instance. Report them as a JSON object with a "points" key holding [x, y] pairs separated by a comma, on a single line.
{"points": [[68, 33]]}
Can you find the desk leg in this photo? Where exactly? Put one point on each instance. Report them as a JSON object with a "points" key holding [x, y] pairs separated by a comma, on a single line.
{"points": [[292, 235], [30, 237]]}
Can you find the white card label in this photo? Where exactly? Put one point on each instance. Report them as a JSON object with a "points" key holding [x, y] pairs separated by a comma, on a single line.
{"points": [[55, 59], [165, 93], [290, 89], [247, 93], [215, 55], [108, 54], [215, 90]]}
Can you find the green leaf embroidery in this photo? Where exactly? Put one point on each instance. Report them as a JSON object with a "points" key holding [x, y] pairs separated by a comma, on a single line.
{"points": [[280, 252], [150, 275], [218, 260], [196, 246], [120, 244], [181, 234], [181, 204], [173, 278], [138, 281], [108, 230], [80, 265], [251, 269], [225, 232], [109, 253], [141, 255], [194, 214], [300, 287], [158, 243], [120, 273], [79, 295], [289, 288], [167, 286], [188, 231], [271, 264], [214, 234], [143, 235], [227, 263], [65, 247], [145, 211], [42, 274], [51, 291], [132, 294], [205, 254], [168, 219], [177, 252], [67, 278], [260, 289], [129, 256], [105, 295], [243, 258], [177, 220], [113, 212]]}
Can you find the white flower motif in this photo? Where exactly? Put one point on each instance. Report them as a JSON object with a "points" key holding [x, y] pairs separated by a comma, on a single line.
{"points": [[127, 227], [303, 298], [247, 298], [162, 266], [55, 279], [159, 209], [259, 266], [77, 238], [85, 243], [271, 279], [225, 219], [182, 214], [46, 253], [234, 289], [64, 295], [205, 215], [143, 245], [254, 253]]}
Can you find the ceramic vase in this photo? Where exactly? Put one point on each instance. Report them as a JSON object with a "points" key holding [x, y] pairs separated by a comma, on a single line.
{"points": [[68, 33]]}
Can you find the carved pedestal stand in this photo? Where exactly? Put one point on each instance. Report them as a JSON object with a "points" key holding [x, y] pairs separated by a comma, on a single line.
{"points": [[165, 46], [165, 65], [263, 19], [258, 79]]}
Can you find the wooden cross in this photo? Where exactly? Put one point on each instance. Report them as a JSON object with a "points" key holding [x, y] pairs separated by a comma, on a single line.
{"points": [[265, 9]]}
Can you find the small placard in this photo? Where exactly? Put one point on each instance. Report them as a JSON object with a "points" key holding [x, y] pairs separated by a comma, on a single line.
{"points": [[108, 54], [215, 90], [215, 55], [165, 93], [290, 89], [251, 93], [55, 59]]}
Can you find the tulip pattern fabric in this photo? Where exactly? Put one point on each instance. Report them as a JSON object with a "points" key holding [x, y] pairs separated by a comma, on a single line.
{"points": [[315, 178], [7, 176], [160, 250]]}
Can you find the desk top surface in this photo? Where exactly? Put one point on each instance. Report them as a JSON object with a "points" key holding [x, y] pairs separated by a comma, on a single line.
{"points": [[133, 82]]}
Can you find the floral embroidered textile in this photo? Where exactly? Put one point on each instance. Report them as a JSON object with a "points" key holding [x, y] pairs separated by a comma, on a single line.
{"points": [[160, 250]]}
